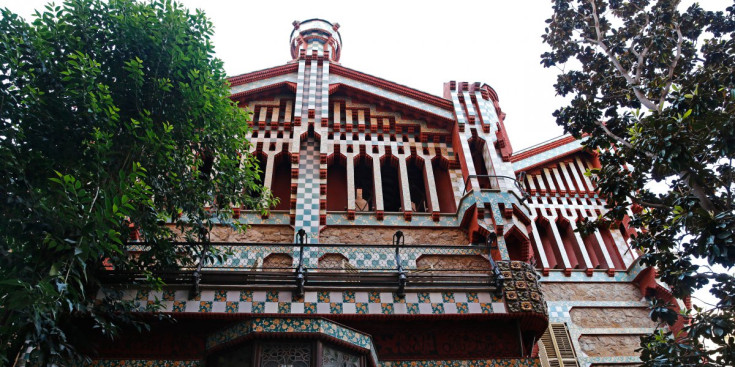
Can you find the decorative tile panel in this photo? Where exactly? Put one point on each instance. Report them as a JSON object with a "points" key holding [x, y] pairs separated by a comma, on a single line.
{"points": [[520, 288], [266, 325]]}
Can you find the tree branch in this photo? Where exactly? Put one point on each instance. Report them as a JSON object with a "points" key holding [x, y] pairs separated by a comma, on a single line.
{"points": [[620, 140], [670, 76], [638, 93], [642, 55]]}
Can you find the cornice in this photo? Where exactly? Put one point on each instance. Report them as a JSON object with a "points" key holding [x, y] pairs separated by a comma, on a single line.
{"points": [[391, 86], [263, 74]]}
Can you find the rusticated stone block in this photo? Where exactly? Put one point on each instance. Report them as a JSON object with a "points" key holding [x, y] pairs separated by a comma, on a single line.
{"points": [[611, 317], [267, 234], [609, 345], [589, 291], [384, 236]]}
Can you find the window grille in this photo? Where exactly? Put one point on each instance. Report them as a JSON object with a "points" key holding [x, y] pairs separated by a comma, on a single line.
{"points": [[285, 355]]}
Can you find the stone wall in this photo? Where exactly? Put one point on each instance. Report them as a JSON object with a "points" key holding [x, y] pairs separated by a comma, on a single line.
{"points": [[610, 291], [611, 317], [384, 236], [609, 345]]}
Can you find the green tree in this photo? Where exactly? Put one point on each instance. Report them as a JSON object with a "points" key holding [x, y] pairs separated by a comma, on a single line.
{"points": [[652, 86], [114, 118]]}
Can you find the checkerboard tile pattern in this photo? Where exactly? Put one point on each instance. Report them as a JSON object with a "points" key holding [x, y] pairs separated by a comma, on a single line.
{"points": [[324, 302], [248, 257], [307, 197], [559, 312]]}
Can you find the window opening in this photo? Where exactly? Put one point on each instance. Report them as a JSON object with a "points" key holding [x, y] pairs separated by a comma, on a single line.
{"points": [[444, 189], [337, 183], [477, 146], [391, 184], [555, 347], [281, 183], [417, 184], [364, 182]]}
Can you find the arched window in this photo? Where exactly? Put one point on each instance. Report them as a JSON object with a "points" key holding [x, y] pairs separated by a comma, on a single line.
{"points": [[443, 182], [477, 147], [417, 184], [391, 183], [261, 159], [337, 182], [281, 183], [364, 181]]}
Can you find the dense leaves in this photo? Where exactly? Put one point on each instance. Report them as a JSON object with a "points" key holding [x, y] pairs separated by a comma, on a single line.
{"points": [[652, 87], [114, 119]]}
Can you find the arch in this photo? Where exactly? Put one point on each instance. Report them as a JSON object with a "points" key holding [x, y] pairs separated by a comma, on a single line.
{"points": [[336, 182], [310, 133], [281, 183], [391, 181], [333, 261], [260, 158], [364, 180], [518, 245], [278, 261], [443, 183], [417, 184], [477, 149]]}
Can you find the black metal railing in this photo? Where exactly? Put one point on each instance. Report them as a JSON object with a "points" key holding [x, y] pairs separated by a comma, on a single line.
{"points": [[492, 182], [397, 277]]}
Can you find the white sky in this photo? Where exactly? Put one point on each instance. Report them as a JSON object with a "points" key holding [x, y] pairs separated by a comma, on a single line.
{"points": [[420, 44]]}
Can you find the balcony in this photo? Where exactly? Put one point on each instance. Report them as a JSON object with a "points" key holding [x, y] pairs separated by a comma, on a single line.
{"points": [[302, 266]]}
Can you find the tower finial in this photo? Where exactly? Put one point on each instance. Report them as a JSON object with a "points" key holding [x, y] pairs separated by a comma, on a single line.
{"points": [[316, 35]]}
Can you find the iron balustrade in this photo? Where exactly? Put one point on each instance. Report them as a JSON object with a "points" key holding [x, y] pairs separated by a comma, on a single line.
{"points": [[300, 277], [517, 182]]}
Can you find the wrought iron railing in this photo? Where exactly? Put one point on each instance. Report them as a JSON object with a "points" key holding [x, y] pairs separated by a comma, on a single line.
{"points": [[398, 274], [493, 182]]}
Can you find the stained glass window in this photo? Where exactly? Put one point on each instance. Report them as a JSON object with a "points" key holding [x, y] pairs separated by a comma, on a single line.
{"points": [[336, 358], [285, 355]]}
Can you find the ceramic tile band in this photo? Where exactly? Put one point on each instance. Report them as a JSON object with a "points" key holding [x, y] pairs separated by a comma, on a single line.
{"points": [[290, 325], [323, 302], [525, 362]]}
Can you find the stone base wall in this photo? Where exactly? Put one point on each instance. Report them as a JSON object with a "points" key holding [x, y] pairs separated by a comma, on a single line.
{"points": [[384, 236], [605, 319]]}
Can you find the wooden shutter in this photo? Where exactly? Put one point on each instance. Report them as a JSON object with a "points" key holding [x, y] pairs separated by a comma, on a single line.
{"points": [[555, 347]]}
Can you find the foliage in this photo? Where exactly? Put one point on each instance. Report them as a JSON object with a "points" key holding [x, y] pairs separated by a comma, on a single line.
{"points": [[652, 87], [114, 119]]}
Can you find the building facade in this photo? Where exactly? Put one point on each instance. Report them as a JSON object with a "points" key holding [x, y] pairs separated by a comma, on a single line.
{"points": [[408, 233]]}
